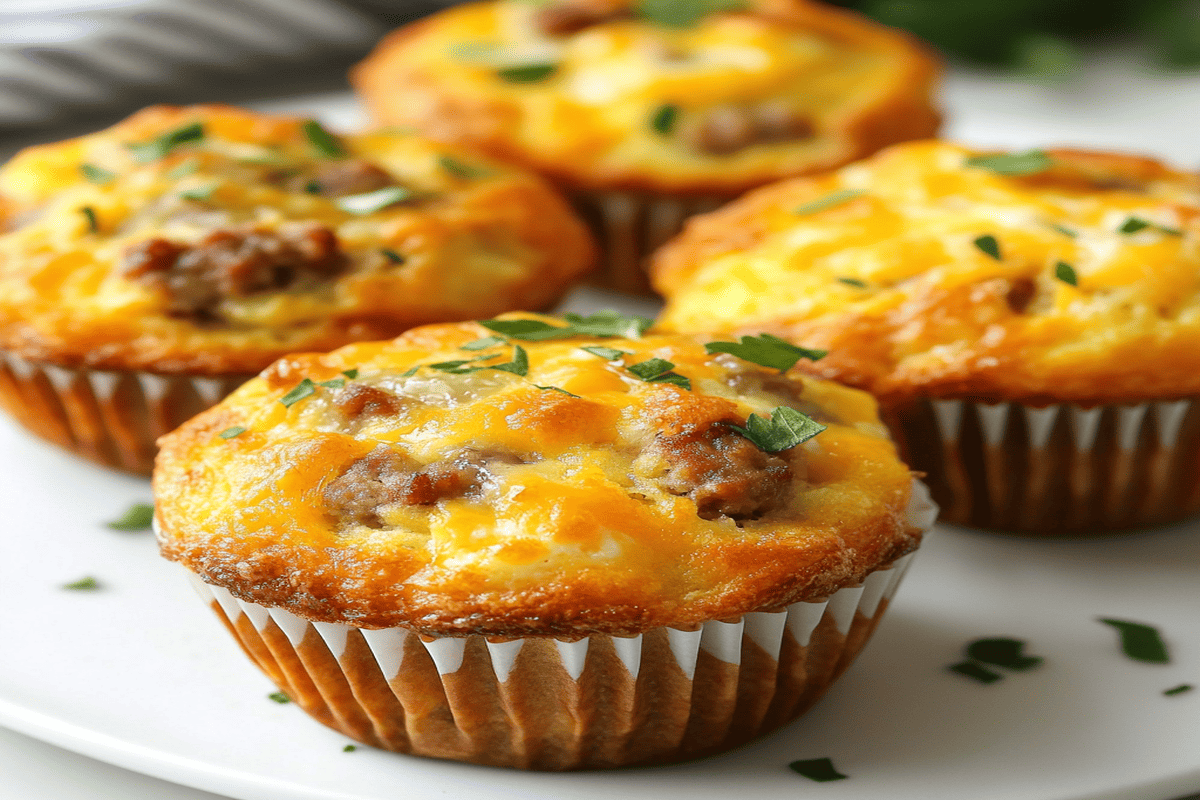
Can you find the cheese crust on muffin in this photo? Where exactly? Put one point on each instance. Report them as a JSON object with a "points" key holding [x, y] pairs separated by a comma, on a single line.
{"points": [[465, 479], [210, 240], [655, 97], [931, 270]]}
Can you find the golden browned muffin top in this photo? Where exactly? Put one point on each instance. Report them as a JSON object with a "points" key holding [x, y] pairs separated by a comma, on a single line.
{"points": [[678, 96], [934, 270], [526, 475], [214, 240]]}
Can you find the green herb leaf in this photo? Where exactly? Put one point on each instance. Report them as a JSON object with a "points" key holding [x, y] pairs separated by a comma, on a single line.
{"points": [[200, 193], [408, 373], [232, 432], [1063, 230], [155, 149], [683, 13], [313, 187], [988, 245], [280, 697], [482, 344], [830, 200], [1180, 689], [350, 373], [607, 353], [1133, 225], [1140, 642], [1002, 653], [86, 584], [138, 517], [518, 366], [664, 118], [97, 175], [460, 170], [817, 769], [183, 169], [333, 383], [855, 282], [608, 323], [302, 390], [89, 214], [369, 203], [529, 330], [975, 671], [766, 350], [393, 256], [527, 73], [657, 370], [323, 141], [786, 428], [1066, 273], [350, 748], [1030, 162], [556, 389]]}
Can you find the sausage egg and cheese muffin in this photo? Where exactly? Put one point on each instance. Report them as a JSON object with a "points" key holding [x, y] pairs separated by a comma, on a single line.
{"points": [[1030, 321], [544, 543], [649, 111], [147, 268]]}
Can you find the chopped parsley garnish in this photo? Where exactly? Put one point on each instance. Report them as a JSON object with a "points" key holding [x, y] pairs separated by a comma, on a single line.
{"points": [[1063, 230], [393, 256], [555, 389], [138, 517], [664, 118], [817, 769], [987, 244], [323, 141], [766, 350], [408, 373], [518, 366], [350, 373], [280, 697], [1066, 273], [482, 344], [97, 175], [86, 584], [1140, 642], [830, 200], [683, 13], [155, 149], [1180, 689], [335, 383], [302, 390], [232, 432], [658, 370], [200, 193], [182, 170], [604, 324], [459, 169], [607, 353], [855, 282], [313, 187], [1030, 162], [350, 748], [89, 214], [786, 428], [369, 203], [1136, 224], [1003, 653], [527, 73], [459, 366], [975, 671]]}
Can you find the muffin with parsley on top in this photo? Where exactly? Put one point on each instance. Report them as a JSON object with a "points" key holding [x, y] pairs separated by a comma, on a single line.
{"points": [[649, 111], [544, 543], [148, 268], [1029, 321]]}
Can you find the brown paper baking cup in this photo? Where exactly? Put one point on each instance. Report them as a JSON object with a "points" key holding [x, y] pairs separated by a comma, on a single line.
{"points": [[665, 695], [1059, 470], [110, 417], [629, 227]]}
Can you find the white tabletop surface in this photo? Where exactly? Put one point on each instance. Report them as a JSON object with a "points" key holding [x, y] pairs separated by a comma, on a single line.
{"points": [[1117, 102]]}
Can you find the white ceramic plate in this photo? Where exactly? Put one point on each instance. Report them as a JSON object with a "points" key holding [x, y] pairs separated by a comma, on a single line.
{"points": [[140, 673]]}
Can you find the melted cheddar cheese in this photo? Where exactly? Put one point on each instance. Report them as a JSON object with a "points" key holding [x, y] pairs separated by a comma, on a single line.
{"points": [[465, 238], [571, 524], [854, 85], [926, 275]]}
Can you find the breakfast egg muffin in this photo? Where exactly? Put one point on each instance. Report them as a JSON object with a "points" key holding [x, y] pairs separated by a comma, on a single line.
{"points": [[544, 543], [148, 268], [1030, 321], [649, 111]]}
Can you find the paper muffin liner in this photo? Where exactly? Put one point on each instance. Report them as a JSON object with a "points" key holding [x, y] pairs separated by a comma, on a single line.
{"points": [[629, 227], [668, 694], [1058, 470], [109, 416]]}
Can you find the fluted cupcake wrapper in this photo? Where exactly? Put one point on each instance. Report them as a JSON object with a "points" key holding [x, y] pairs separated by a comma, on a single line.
{"points": [[629, 227], [109, 416], [1058, 470]]}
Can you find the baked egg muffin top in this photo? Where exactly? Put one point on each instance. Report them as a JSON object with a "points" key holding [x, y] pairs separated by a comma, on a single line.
{"points": [[680, 96], [934, 270], [214, 240], [531, 474]]}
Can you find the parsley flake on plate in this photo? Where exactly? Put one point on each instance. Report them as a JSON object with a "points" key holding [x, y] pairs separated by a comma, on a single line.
{"points": [[138, 517], [280, 697], [766, 350], [786, 428], [85, 584], [1140, 642], [817, 769], [975, 671], [1180, 689], [1003, 652]]}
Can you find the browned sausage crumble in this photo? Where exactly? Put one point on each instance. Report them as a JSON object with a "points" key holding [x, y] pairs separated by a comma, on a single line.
{"points": [[728, 129]]}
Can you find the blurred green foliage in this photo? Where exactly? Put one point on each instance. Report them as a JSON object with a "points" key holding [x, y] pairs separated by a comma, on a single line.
{"points": [[1044, 36]]}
